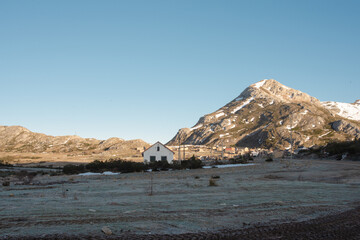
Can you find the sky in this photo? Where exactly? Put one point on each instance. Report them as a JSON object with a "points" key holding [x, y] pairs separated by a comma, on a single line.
{"points": [[144, 69]]}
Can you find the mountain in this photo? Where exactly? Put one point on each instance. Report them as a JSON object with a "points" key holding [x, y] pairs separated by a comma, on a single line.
{"points": [[20, 139], [268, 114]]}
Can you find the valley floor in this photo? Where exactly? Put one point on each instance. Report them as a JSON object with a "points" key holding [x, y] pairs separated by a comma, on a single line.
{"points": [[276, 199]]}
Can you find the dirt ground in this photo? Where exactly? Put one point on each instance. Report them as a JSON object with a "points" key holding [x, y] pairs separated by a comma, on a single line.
{"points": [[284, 199]]}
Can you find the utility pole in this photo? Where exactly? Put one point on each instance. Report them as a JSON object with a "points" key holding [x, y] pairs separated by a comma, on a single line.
{"points": [[291, 140], [179, 151], [222, 151], [184, 152], [291, 144]]}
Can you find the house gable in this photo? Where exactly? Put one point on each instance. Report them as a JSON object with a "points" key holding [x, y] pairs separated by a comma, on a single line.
{"points": [[158, 152]]}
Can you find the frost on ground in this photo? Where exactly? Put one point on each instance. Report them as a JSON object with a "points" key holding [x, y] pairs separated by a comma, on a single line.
{"points": [[179, 201], [229, 165], [96, 174]]}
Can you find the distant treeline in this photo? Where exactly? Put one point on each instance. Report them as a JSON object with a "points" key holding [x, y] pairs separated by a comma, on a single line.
{"points": [[351, 147], [336, 149], [118, 165]]}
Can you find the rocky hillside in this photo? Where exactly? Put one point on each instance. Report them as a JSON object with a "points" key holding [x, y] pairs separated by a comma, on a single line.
{"points": [[268, 114], [20, 139]]}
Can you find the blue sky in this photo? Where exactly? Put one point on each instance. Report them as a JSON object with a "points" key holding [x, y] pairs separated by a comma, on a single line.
{"points": [[144, 69]]}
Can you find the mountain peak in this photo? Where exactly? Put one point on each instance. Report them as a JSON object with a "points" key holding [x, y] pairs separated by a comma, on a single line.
{"points": [[263, 115], [275, 91]]}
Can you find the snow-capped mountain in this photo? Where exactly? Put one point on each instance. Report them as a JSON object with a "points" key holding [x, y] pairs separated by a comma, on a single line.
{"points": [[269, 114]]}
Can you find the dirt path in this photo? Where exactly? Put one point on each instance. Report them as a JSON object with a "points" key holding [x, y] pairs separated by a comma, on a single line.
{"points": [[345, 225]]}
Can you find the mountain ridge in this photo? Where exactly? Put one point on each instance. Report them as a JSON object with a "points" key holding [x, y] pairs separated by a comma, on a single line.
{"points": [[21, 139], [263, 115]]}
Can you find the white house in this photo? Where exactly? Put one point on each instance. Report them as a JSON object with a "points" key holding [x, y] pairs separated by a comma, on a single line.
{"points": [[158, 152]]}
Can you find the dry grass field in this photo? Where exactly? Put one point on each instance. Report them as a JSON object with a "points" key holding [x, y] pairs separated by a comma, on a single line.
{"points": [[178, 202]]}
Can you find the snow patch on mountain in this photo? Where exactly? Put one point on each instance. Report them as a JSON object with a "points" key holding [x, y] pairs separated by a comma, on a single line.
{"points": [[346, 110], [242, 105], [196, 127], [219, 114], [258, 85]]}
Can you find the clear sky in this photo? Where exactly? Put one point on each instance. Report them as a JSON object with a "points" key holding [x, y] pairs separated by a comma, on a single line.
{"points": [[144, 69]]}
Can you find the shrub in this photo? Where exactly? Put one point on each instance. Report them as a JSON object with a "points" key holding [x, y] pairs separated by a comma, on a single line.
{"points": [[269, 159], [25, 176], [73, 169], [96, 166], [192, 163], [6, 183], [351, 147], [212, 182]]}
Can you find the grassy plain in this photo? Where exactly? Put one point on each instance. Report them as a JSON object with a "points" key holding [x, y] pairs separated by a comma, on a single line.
{"points": [[180, 201]]}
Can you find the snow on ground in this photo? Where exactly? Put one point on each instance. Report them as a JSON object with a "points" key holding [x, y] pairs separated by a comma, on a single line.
{"points": [[305, 112], [95, 174], [219, 114], [290, 127], [260, 105], [251, 120], [325, 134], [223, 135], [281, 122], [346, 110], [196, 127], [242, 105], [260, 84], [230, 165]]}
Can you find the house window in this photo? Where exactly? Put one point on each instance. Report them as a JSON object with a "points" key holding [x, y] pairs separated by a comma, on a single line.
{"points": [[152, 158], [164, 158], [158, 148]]}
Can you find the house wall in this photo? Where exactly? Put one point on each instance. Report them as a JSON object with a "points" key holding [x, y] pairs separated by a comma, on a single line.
{"points": [[163, 151]]}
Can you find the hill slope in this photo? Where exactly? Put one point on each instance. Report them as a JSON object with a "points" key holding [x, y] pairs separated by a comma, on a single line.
{"points": [[20, 139]]}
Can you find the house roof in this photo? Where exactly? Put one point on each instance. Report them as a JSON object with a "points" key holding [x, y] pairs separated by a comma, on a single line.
{"points": [[160, 144]]}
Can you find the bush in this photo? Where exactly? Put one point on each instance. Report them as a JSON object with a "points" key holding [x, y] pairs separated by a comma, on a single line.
{"points": [[118, 165], [6, 183], [73, 169], [212, 182], [351, 147], [25, 176], [269, 159], [96, 166], [192, 163]]}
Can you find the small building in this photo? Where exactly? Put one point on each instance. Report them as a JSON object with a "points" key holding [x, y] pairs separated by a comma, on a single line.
{"points": [[230, 150], [158, 152]]}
